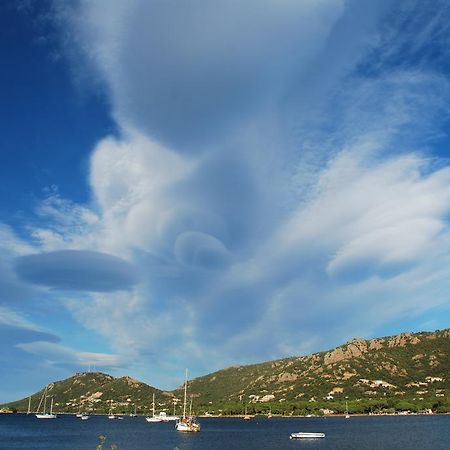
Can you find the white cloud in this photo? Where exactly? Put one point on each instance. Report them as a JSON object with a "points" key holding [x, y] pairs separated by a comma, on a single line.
{"points": [[11, 244], [129, 179], [188, 73], [14, 319], [260, 141], [58, 354]]}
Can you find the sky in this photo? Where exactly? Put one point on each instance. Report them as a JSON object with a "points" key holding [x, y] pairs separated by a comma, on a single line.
{"points": [[206, 183]]}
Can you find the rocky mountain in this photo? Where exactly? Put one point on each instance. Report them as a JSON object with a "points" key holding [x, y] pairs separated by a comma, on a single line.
{"points": [[97, 392], [413, 368], [409, 371]]}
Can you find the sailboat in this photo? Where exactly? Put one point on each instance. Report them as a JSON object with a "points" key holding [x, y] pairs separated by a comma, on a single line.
{"points": [[134, 414], [187, 424], [153, 418], [79, 414], [83, 415], [347, 415], [246, 416], [45, 415], [29, 405], [110, 414]]}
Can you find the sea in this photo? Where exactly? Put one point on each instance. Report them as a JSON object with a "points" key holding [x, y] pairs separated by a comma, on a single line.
{"points": [[21, 431]]}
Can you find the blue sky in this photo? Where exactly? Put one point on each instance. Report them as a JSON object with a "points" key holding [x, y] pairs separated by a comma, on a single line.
{"points": [[204, 183]]}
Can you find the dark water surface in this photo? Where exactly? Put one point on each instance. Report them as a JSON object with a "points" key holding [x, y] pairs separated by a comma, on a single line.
{"points": [[19, 431]]}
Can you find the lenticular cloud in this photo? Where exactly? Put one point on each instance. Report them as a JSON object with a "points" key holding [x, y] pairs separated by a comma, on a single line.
{"points": [[263, 181], [78, 270]]}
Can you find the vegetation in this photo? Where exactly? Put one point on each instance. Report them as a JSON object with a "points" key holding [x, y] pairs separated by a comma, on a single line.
{"points": [[96, 392], [408, 372], [102, 440]]}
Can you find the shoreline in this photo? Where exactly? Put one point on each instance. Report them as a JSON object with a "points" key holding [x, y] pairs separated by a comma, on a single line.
{"points": [[257, 416]]}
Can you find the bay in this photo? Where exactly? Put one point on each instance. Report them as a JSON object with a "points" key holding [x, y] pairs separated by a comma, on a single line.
{"points": [[19, 431]]}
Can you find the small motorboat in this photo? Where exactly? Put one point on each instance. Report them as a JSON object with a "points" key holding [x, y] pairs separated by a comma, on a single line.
{"points": [[304, 435]]}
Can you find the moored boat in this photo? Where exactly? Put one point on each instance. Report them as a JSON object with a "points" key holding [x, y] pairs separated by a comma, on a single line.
{"points": [[187, 424], [110, 414], [306, 435], [45, 415], [165, 418], [153, 418]]}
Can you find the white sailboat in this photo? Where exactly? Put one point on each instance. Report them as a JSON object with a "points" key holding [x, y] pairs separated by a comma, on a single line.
{"points": [[79, 414], [246, 416], [347, 415], [83, 415], [29, 405], [153, 418], [45, 415], [110, 414], [187, 424]]}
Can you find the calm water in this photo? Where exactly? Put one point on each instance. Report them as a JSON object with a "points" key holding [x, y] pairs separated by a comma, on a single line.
{"points": [[18, 431]]}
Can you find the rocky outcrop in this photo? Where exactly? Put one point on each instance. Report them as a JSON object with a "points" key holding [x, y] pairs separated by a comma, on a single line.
{"points": [[352, 349]]}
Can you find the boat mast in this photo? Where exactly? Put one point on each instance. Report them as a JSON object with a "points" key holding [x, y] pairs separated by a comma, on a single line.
{"points": [[42, 399], [153, 404], [29, 405], [51, 406], [185, 393], [45, 399]]}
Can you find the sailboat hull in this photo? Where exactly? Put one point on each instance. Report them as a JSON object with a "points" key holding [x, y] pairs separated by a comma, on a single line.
{"points": [[187, 426], [153, 419]]}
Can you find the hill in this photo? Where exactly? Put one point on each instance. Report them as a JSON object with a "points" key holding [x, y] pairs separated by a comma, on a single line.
{"points": [[97, 392], [407, 372]]}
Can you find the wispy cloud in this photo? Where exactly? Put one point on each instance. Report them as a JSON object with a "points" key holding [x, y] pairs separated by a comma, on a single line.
{"points": [[60, 355]]}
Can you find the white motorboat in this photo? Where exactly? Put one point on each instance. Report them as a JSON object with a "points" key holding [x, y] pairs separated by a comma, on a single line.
{"points": [[187, 424], [305, 435], [84, 416], [165, 418], [45, 415]]}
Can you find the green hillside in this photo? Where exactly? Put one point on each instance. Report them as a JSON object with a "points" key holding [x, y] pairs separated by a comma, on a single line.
{"points": [[93, 392], [408, 372]]}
